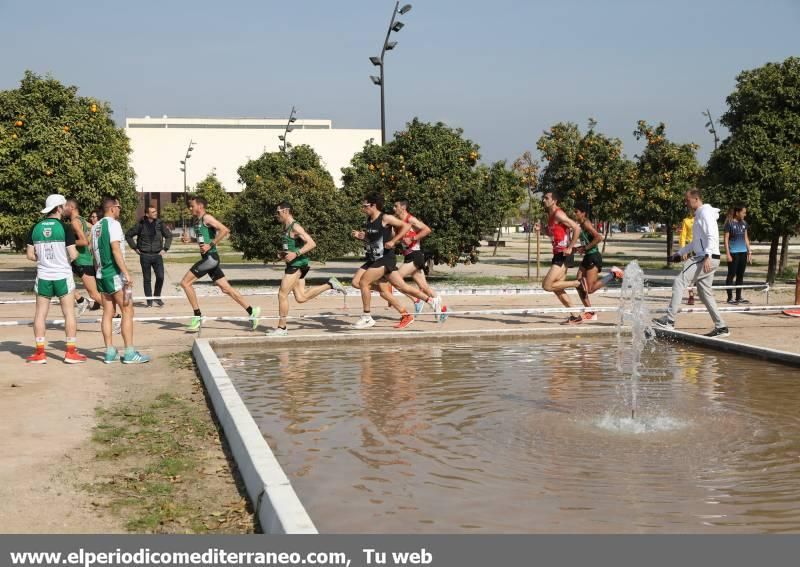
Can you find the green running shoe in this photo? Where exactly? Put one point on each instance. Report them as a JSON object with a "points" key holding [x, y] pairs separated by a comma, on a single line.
{"points": [[195, 323], [254, 317], [111, 355], [135, 357], [336, 285]]}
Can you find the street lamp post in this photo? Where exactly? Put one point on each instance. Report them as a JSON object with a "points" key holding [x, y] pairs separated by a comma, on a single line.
{"points": [[185, 186], [286, 145], [395, 26]]}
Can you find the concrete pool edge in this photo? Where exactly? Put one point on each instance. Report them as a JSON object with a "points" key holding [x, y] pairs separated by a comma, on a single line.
{"points": [[764, 353], [356, 336], [274, 500]]}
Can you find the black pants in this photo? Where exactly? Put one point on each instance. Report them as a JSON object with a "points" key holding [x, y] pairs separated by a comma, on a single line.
{"points": [[157, 263], [736, 268]]}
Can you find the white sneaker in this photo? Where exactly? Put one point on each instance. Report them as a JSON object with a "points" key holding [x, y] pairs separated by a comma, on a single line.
{"points": [[365, 322], [277, 332], [80, 308], [436, 303]]}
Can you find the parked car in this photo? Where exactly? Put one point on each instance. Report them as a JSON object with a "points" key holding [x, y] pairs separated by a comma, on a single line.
{"points": [[643, 228]]}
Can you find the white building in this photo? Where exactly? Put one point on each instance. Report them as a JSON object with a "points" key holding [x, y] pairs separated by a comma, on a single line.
{"points": [[222, 146]]}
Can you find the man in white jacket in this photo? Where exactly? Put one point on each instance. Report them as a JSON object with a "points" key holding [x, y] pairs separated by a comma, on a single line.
{"points": [[700, 261]]}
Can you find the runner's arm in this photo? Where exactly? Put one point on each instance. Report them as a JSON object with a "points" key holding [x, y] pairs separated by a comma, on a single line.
{"points": [[119, 258], [421, 228], [69, 241], [222, 230], [308, 242], [562, 217], [401, 228], [80, 237], [30, 249], [167, 233]]}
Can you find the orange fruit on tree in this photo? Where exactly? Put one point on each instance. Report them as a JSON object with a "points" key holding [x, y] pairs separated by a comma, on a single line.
{"points": [[18, 123]]}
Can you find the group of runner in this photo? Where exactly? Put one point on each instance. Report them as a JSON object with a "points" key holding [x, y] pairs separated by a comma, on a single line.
{"points": [[65, 243]]}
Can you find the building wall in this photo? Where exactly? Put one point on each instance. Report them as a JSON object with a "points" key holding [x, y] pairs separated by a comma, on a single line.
{"points": [[222, 146]]}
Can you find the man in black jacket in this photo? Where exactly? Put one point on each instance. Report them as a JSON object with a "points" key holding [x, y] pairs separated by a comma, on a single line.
{"points": [[153, 239]]}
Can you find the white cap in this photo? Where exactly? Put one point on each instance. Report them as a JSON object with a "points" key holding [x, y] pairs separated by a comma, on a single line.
{"points": [[53, 201]]}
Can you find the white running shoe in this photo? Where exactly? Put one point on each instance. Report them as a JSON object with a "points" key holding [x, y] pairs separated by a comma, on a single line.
{"points": [[365, 322], [336, 285], [277, 332], [80, 308]]}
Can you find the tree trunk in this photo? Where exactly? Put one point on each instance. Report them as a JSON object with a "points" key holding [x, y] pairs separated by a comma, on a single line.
{"points": [[670, 236], [773, 259], [497, 239], [784, 254]]}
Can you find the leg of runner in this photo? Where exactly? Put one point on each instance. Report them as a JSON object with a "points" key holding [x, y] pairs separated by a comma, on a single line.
{"points": [[385, 290], [288, 283], [109, 309], [70, 329], [365, 280], [90, 284], [554, 277], [39, 330], [231, 292]]}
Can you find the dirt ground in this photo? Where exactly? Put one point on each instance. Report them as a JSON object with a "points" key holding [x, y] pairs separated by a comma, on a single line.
{"points": [[50, 411]]}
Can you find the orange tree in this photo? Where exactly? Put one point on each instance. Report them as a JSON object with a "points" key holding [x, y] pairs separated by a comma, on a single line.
{"points": [[665, 171], [759, 163], [298, 177], [54, 141], [436, 169], [587, 167]]}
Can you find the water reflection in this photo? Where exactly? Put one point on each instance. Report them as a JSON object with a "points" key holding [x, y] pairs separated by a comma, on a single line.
{"points": [[500, 436]]}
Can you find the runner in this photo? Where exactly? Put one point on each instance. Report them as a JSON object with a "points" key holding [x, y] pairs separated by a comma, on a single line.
{"points": [[379, 242], [414, 258], [686, 238], [559, 226], [297, 243], [698, 270], [210, 232], [83, 266], [114, 282], [52, 246], [592, 262]]}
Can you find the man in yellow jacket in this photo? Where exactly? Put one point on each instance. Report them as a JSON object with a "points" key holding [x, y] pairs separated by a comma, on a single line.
{"points": [[686, 238]]}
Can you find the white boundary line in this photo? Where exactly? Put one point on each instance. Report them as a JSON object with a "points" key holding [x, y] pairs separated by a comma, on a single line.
{"points": [[448, 292], [276, 504], [519, 311]]}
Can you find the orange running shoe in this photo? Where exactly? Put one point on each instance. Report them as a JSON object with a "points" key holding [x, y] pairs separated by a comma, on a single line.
{"points": [[74, 357], [405, 321], [38, 357]]}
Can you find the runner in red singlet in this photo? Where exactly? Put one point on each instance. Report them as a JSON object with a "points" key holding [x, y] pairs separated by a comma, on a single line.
{"points": [[559, 226]]}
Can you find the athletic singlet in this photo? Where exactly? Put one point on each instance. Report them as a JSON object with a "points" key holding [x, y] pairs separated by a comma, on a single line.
{"points": [[375, 236], [409, 244], [558, 232], [85, 252], [294, 244], [586, 239], [205, 235]]}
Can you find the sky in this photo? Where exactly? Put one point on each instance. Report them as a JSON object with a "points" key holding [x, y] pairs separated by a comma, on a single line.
{"points": [[504, 71]]}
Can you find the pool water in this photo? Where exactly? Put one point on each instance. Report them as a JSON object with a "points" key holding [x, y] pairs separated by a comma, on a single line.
{"points": [[523, 436]]}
